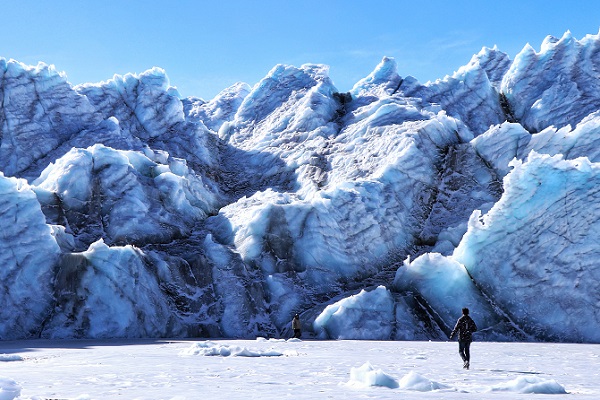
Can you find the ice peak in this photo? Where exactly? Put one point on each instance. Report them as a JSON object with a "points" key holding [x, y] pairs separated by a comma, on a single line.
{"points": [[548, 42], [494, 62], [524, 57], [234, 89], [486, 51], [285, 84], [42, 70], [489, 56], [154, 76], [384, 76], [281, 72], [567, 35], [590, 38], [527, 50], [386, 70], [316, 70], [551, 42]]}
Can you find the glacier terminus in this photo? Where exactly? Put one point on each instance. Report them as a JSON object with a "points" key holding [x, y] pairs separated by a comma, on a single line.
{"points": [[128, 211]]}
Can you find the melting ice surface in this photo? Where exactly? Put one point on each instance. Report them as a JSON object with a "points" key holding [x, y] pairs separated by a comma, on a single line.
{"points": [[127, 211]]}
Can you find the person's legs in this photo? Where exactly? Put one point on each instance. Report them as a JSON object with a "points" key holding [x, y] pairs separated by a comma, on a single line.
{"points": [[465, 353], [461, 350], [468, 351]]}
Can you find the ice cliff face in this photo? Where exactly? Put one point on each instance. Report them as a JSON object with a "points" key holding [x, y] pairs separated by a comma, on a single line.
{"points": [[126, 211], [29, 253]]}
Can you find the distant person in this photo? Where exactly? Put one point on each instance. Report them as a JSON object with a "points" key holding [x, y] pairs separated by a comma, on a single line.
{"points": [[296, 326], [465, 326]]}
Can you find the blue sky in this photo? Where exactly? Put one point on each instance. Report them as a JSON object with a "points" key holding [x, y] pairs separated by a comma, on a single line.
{"points": [[206, 46]]}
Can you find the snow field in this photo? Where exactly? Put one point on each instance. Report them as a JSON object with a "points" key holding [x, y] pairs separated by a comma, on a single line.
{"points": [[162, 369]]}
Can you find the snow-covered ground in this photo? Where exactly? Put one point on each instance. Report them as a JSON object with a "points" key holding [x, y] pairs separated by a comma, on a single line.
{"points": [[275, 369]]}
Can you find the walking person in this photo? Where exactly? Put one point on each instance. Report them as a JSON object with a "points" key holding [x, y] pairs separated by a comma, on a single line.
{"points": [[296, 326], [465, 326]]}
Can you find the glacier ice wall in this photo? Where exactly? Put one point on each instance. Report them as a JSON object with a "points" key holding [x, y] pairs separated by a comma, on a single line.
{"points": [[375, 214], [538, 240], [29, 254]]}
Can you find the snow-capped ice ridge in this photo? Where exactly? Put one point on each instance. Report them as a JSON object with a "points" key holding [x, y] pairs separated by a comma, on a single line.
{"points": [[128, 211]]}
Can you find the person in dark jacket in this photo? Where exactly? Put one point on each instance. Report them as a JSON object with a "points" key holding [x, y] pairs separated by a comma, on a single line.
{"points": [[465, 326], [296, 326]]}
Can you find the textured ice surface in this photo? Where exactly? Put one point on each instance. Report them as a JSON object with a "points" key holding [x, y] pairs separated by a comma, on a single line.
{"points": [[127, 211]]}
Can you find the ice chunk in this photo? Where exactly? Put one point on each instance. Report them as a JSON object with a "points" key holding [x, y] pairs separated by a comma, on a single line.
{"points": [[367, 315], [10, 357], [417, 382], [110, 292], [530, 384], [214, 349], [367, 375], [9, 389]]}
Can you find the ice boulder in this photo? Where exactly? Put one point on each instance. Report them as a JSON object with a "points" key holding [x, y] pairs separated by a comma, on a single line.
{"points": [[209, 348], [109, 292], [581, 141], [530, 384], [417, 382], [9, 389], [366, 315], [366, 376], [500, 144]]}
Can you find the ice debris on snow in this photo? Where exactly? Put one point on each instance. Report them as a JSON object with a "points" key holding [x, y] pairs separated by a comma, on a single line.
{"points": [[209, 348], [290, 340], [9, 389], [366, 375], [10, 357], [530, 384], [417, 382]]}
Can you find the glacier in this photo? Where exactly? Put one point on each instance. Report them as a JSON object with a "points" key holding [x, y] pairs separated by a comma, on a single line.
{"points": [[128, 211]]}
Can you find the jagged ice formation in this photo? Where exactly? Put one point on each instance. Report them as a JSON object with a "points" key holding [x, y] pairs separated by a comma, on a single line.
{"points": [[128, 211]]}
